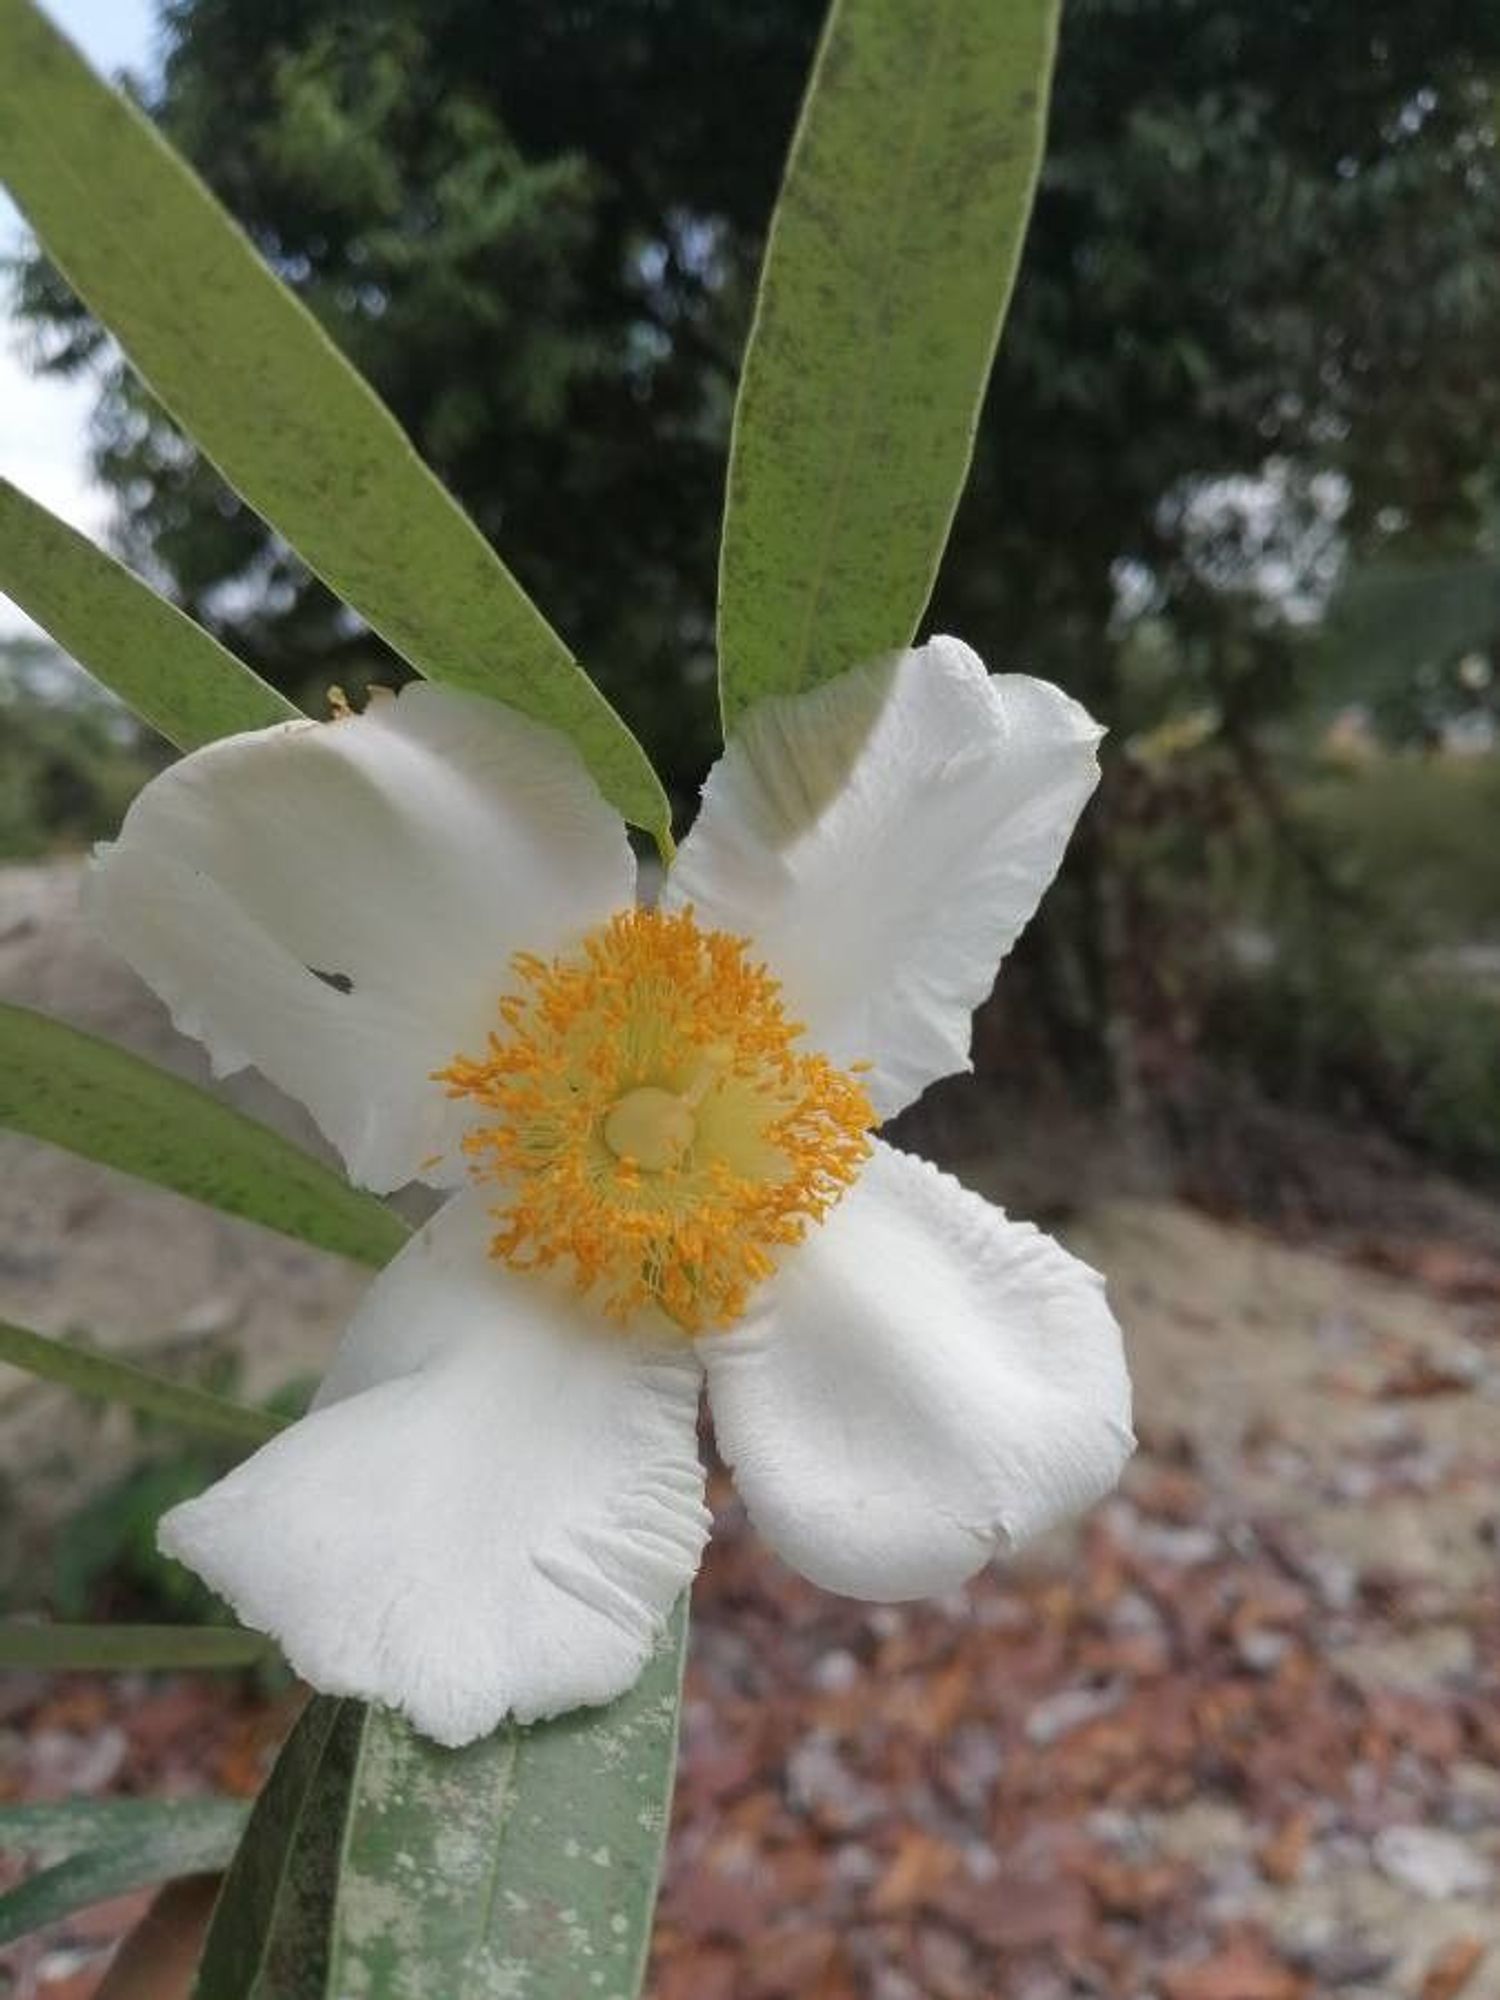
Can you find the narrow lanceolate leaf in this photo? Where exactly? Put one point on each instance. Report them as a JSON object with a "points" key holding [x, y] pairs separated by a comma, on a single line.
{"points": [[269, 1938], [889, 267], [175, 677], [61, 1827], [59, 1084], [253, 379], [112, 1848], [130, 1648], [115, 1381], [526, 1864]]}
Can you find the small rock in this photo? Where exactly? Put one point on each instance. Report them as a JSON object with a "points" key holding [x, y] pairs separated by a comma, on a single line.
{"points": [[887, 1983], [1182, 1548], [1473, 1797], [1345, 1962], [219, 1312], [1261, 1651], [1431, 1863], [1335, 1580], [821, 1784], [835, 1673], [1134, 1613], [64, 1763]]}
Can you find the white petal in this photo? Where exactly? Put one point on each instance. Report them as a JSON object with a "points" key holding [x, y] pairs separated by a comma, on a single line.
{"points": [[491, 1511], [921, 1383], [407, 852], [883, 839]]}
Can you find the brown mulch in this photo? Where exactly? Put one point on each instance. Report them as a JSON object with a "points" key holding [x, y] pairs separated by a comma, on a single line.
{"points": [[1193, 1753], [943, 1802], [956, 1800]]}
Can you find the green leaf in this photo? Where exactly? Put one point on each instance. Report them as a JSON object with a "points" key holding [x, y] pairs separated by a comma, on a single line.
{"points": [[56, 1828], [269, 1936], [59, 1084], [377, 1863], [175, 677], [114, 1381], [252, 377], [125, 1845], [888, 270], [130, 1648], [526, 1863]]}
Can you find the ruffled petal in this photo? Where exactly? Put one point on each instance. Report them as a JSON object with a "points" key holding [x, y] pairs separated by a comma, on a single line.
{"points": [[338, 903], [883, 839], [921, 1383], [490, 1512]]}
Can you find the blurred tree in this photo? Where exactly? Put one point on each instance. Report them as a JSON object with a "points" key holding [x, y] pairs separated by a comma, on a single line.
{"points": [[71, 759], [1254, 338], [534, 229]]}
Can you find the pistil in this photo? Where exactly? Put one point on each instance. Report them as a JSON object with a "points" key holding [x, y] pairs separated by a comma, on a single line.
{"points": [[651, 1127]]}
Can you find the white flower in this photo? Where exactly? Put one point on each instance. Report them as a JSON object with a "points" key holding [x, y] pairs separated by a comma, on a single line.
{"points": [[419, 922]]}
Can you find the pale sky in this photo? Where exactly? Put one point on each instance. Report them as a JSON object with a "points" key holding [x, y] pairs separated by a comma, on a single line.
{"points": [[43, 423]]}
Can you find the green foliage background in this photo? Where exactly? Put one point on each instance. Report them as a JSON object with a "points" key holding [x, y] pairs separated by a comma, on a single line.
{"points": [[1262, 260], [70, 761]]}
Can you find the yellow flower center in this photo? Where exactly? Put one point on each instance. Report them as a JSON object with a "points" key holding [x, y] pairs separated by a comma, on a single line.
{"points": [[653, 1126]]}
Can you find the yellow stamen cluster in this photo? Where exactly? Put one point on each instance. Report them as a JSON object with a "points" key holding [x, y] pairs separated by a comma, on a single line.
{"points": [[655, 1129]]}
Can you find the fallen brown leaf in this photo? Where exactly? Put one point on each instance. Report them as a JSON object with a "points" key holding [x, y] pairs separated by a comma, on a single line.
{"points": [[1452, 1969], [1016, 1914], [921, 1866], [790, 1964], [1240, 1972], [700, 1973], [1420, 1376], [1282, 1856], [1127, 1890]]}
